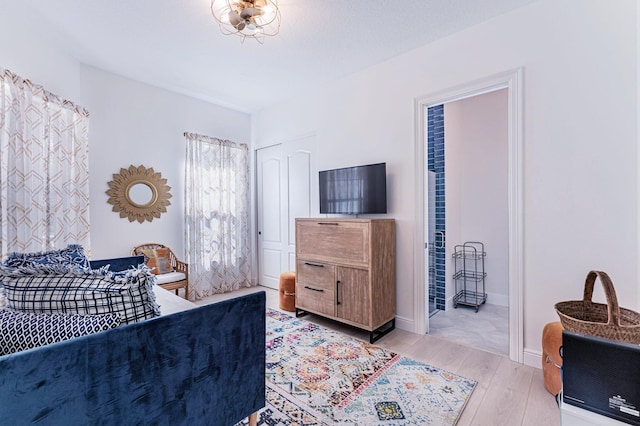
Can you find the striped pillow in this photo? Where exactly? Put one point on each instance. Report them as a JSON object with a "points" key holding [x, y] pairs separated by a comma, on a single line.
{"points": [[20, 331], [38, 290]]}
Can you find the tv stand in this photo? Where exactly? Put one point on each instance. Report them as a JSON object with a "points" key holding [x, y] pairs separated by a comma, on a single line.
{"points": [[345, 271]]}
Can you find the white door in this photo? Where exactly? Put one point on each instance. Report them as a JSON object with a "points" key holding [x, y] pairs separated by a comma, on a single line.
{"points": [[285, 189], [269, 189]]}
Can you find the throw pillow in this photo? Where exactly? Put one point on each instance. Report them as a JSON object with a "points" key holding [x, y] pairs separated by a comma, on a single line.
{"points": [[159, 260], [128, 293], [72, 256], [20, 331]]}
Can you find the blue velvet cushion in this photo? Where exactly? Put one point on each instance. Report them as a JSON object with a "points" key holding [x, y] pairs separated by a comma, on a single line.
{"points": [[118, 264], [20, 331], [73, 255], [52, 289]]}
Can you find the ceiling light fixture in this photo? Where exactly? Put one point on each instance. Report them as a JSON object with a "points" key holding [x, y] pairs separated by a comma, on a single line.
{"points": [[255, 19]]}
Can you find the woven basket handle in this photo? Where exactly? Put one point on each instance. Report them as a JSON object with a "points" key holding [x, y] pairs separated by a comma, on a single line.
{"points": [[613, 309]]}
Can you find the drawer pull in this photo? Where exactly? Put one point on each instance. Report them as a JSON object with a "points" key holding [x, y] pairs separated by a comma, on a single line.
{"points": [[314, 289], [328, 223], [314, 264], [337, 292]]}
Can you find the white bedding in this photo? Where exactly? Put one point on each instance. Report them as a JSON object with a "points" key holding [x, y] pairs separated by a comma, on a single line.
{"points": [[169, 302]]}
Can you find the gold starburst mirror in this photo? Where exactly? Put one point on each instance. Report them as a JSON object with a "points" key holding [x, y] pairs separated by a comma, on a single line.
{"points": [[139, 193]]}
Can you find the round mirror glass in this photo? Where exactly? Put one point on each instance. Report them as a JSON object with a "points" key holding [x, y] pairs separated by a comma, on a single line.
{"points": [[140, 194]]}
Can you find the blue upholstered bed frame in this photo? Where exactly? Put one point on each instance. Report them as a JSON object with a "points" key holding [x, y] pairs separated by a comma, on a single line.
{"points": [[203, 366]]}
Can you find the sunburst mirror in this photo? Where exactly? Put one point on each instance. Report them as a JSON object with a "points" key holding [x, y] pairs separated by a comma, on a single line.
{"points": [[139, 193]]}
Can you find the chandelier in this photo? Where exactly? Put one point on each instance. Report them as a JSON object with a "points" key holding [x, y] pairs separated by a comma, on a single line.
{"points": [[255, 19]]}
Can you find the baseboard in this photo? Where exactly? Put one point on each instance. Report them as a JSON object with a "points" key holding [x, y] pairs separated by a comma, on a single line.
{"points": [[498, 299], [406, 324], [532, 358]]}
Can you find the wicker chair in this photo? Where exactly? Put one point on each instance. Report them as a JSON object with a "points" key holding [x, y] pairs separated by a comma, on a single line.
{"points": [[173, 280]]}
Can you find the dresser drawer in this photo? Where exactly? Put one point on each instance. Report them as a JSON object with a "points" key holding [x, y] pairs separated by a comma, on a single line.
{"points": [[333, 241], [315, 287], [316, 274]]}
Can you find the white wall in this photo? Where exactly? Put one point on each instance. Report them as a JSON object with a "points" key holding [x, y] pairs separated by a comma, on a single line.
{"points": [[130, 123], [476, 168], [580, 140], [28, 49], [137, 124]]}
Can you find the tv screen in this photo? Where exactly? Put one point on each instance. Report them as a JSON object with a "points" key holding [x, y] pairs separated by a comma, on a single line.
{"points": [[354, 190]]}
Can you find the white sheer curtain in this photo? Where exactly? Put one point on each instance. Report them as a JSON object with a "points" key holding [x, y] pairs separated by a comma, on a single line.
{"points": [[44, 168], [218, 246]]}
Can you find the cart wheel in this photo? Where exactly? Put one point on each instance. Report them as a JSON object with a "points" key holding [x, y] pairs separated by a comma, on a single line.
{"points": [[476, 309], [455, 306]]}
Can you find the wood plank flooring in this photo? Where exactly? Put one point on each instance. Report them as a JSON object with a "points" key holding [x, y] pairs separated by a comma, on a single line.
{"points": [[507, 393]]}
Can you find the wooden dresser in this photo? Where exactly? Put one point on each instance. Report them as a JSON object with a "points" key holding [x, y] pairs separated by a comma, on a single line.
{"points": [[345, 270]]}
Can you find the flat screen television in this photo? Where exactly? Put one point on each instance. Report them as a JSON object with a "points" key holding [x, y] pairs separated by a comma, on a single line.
{"points": [[354, 190]]}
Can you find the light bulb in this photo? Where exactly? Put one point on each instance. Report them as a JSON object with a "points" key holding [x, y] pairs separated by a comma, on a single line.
{"points": [[268, 13]]}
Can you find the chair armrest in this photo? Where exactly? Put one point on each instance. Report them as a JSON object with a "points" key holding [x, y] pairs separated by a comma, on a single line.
{"points": [[182, 267]]}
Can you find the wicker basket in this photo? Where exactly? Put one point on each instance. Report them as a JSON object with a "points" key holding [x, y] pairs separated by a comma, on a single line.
{"points": [[609, 321]]}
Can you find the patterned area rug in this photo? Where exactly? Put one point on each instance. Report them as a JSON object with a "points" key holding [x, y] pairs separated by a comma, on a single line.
{"points": [[317, 376]]}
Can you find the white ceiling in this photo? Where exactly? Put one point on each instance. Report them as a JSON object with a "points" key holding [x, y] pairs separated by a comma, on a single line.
{"points": [[177, 45]]}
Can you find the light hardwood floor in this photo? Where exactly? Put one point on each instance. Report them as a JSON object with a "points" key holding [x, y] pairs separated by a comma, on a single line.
{"points": [[507, 393]]}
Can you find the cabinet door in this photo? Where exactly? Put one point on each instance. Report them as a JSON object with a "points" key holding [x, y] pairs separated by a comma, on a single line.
{"points": [[315, 287], [353, 302]]}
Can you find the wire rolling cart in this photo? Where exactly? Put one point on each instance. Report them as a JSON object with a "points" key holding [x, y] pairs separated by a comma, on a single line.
{"points": [[469, 274]]}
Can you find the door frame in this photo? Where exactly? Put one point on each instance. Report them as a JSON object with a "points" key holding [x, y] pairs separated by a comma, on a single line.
{"points": [[511, 80]]}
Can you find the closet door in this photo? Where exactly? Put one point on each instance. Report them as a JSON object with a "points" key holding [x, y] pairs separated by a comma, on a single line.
{"points": [[269, 192], [285, 189]]}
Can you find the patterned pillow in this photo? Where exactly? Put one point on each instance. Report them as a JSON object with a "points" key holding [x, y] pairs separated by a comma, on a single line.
{"points": [[73, 255], [129, 294], [20, 331], [159, 260]]}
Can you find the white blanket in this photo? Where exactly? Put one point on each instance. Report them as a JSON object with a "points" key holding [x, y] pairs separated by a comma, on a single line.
{"points": [[169, 302]]}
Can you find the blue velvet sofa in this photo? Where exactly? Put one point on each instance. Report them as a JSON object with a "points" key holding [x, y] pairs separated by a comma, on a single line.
{"points": [[117, 263], [202, 366]]}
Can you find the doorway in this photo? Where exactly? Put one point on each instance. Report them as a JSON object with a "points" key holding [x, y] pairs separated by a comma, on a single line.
{"points": [[512, 81], [466, 147]]}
